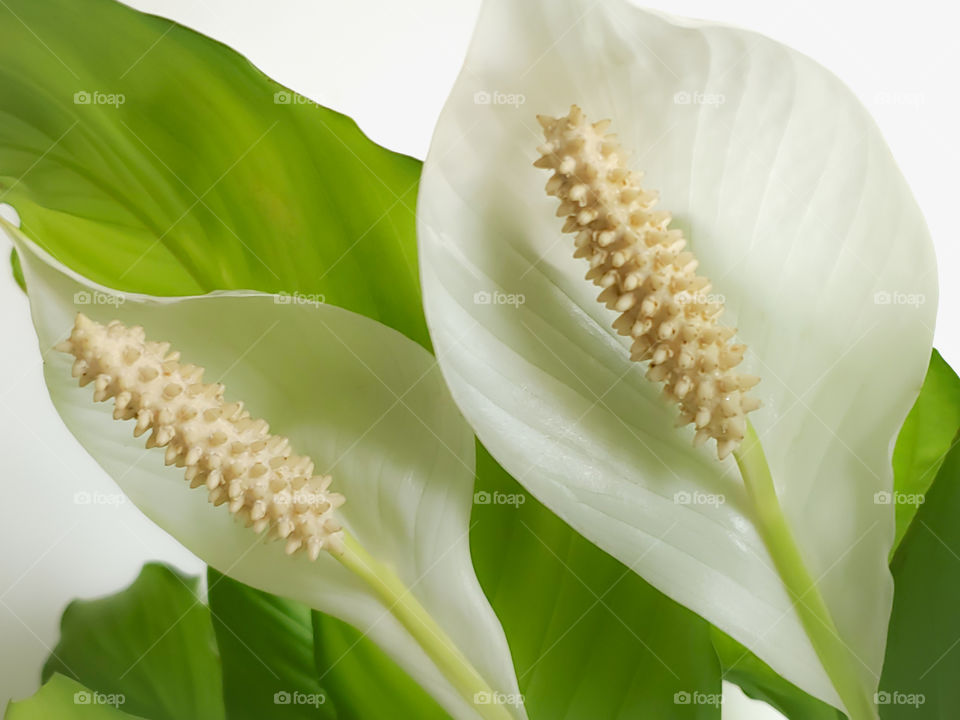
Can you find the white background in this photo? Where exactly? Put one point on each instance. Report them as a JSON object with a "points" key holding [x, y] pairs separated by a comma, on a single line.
{"points": [[389, 65]]}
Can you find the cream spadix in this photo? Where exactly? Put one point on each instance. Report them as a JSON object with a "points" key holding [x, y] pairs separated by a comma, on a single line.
{"points": [[649, 278], [223, 449]]}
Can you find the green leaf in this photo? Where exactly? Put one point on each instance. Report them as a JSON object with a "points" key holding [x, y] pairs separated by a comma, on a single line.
{"points": [[589, 638], [64, 699], [364, 682], [17, 270], [923, 646], [927, 435], [151, 642], [759, 681], [199, 179], [266, 644]]}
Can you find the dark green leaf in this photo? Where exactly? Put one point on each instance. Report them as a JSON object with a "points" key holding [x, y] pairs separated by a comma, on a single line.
{"points": [[922, 662], [927, 435], [590, 638], [759, 681], [266, 644], [364, 682], [64, 699], [152, 643]]}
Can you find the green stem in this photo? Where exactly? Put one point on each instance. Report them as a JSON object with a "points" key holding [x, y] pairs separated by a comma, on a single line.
{"points": [[836, 658], [425, 630]]}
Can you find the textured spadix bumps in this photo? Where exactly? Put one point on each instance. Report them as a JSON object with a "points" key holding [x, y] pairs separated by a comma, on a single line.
{"points": [[223, 449], [648, 277]]}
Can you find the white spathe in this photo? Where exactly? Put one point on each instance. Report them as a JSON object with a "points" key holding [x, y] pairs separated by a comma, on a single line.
{"points": [[367, 404], [799, 216]]}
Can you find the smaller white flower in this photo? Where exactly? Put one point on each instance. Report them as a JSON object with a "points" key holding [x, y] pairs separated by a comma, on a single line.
{"points": [[328, 380]]}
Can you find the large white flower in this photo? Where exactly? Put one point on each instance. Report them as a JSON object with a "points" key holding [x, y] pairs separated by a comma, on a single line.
{"points": [[798, 214]]}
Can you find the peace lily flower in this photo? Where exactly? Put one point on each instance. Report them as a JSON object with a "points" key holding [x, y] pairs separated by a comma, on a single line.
{"points": [[798, 225], [342, 393]]}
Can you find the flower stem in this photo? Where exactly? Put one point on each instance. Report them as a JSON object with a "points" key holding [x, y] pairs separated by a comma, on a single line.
{"points": [[836, 658], [425, 630]]}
